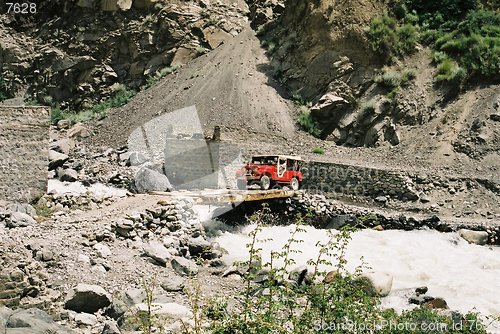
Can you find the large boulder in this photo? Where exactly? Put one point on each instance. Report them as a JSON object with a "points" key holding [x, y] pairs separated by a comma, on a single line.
{"points": [[173, 283], [19, 219], [56, 159], [474, 237], [87, 298], [147, 180], [68, 175], [157, 251], [166, 310], [78, 131], [198, 246], [31, 321], [23, 208], [216, 36], [184, 267], [377, 284], [136, 159], [63, 146]]}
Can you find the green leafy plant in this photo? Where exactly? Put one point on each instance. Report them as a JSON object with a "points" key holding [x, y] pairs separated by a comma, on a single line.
{"points": [[307, 123], [318, 150], [475, 44], [391, 40], [153, 79]]}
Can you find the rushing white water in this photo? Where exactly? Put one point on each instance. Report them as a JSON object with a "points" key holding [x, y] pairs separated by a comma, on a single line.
{"points": [[77, 188], [466, 276]]}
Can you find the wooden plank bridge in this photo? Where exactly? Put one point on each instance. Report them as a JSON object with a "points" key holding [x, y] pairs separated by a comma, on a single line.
{"points": [[225, 196]]}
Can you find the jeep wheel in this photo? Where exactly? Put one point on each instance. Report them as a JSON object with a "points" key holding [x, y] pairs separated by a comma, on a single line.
{"points": [[265, 182], [241, 184], [294, 184]]}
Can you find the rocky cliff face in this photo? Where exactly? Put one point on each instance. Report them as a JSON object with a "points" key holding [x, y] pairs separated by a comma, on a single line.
{"points": [[320, 51], [323, 43], [78, 52]]}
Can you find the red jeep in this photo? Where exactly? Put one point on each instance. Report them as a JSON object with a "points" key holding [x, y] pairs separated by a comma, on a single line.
{"points": [[271, 171]]}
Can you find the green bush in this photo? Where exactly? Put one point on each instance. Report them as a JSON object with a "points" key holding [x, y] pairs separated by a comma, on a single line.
{"points": [[475, 44], [389, 79], [449, 70], [307, 123], [391, 40], [318, 150], [56, 115], [434, 11]]}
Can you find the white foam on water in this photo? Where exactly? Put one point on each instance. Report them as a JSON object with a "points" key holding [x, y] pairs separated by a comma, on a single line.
{"points": [[466, 276], [77, 188]]}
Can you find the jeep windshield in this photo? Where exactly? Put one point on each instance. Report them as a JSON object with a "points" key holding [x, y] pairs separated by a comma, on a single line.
{"points": [[265, 160]]}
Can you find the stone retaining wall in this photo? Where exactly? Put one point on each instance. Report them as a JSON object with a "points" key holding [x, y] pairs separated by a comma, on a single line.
{"points": [[321, 177], [24, 137]]}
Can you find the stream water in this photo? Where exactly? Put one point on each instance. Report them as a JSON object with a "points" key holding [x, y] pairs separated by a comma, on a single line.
{"points": [[467, 276]]}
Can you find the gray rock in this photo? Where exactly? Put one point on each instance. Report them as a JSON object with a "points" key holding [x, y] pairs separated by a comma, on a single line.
{"points": [[63, 146], [435, 303], [378, 284], [19, 219], [474, 237], [56, 159], [424, 199], [166, 310], [381, 199], [184, 267], [157, 251], [419, 299], [298, 275], [102, 250], [110, 327], [87, 298], [198, 246], [147, 180], [173, 283], [495, 117], [85, 319], [69, 175], [23, 208], [78, 131], [136, 159], [421, 290], [124, 227], [33, 321]]}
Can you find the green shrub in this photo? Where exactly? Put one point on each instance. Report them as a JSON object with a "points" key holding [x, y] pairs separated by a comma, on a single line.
{"points": [[307, 123], [98, 111], [368, 106], [407, 36], [432, 11], [389, 79], [391, 40], [407, 76], [449, 70], [153, 79], [382, 35], [56, 115], [475, 44], [318, 150]]}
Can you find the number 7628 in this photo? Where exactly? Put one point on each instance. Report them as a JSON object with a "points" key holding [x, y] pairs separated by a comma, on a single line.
{"points": [[21, 8]]}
